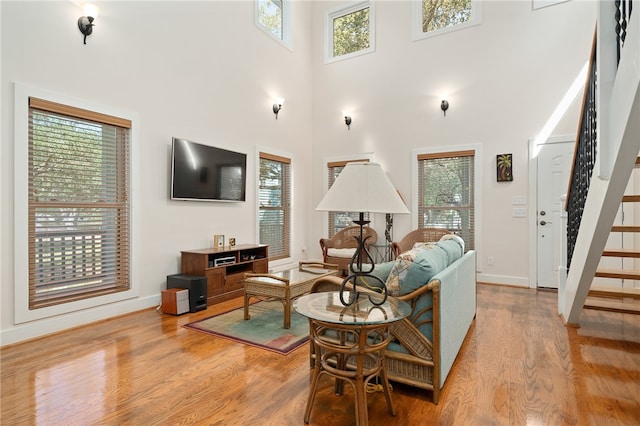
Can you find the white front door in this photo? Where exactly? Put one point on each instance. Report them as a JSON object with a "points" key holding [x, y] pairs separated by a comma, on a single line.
{"points": [[553, 164]]}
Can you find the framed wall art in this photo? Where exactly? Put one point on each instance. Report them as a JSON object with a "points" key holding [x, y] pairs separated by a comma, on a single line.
{"points": [[504, 167]]}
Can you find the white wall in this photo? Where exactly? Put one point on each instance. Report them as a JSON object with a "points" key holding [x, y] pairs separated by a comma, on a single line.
{"points": [[503, 79], [203, 71], [197, 70]]}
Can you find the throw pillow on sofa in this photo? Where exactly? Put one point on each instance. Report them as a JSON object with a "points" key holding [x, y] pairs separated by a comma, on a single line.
{"points": [[452, 248], [415, 268], [381, 270]]}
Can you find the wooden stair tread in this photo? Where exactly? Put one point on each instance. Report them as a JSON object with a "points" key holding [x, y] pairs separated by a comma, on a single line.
{"points": [[628, 274], [625, 228], [621, 253], [631, 198], [613, 306], [614, 292]]}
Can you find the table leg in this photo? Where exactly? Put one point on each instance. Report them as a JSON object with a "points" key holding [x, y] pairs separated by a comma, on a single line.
{"points": [[362, 415], [287, 313], [246, 306], [386, 387], [341, 364]]}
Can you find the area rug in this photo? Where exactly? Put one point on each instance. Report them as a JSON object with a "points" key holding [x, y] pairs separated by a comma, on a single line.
{"points": [[264, 329]]}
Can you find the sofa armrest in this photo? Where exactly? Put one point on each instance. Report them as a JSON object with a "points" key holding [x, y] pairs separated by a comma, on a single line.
{"points": [[456, 305]]}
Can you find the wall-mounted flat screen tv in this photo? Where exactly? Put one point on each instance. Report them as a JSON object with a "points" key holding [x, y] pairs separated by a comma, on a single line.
{"points": [[206, 173]]}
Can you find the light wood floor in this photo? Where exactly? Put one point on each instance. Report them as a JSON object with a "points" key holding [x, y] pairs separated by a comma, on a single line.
{"points": [[519, 366]]}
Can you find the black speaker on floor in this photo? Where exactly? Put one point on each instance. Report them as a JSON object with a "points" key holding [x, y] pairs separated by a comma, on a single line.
{"points": [[197, 286]]}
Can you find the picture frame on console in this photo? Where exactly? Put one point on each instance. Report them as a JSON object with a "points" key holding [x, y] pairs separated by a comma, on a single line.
{"points": [[218, 241]]}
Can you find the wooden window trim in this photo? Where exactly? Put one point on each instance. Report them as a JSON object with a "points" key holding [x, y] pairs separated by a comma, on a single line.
{"points": [[84, 114]]}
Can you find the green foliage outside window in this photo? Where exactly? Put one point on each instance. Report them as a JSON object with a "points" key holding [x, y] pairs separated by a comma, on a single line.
{"points": [[446, 195], [270, 16], [351, 32], [437, 14], [69, 166]]}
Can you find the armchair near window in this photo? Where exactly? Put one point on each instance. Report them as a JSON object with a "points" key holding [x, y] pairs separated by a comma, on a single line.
{"points": [[340, 248], [420, 235]]}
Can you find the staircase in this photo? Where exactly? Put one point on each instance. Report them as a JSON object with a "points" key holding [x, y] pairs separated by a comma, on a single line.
{"points": [[622, 295], [595, 202]]}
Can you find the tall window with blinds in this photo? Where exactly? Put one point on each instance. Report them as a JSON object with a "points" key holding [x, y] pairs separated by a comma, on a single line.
{"points": [[79, 208], [446, 193], [274, 216], [340, 220]]}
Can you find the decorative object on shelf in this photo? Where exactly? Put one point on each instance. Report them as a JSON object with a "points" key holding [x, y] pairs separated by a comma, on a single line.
{"points": [[218, 241], [504, 167], [444, 106], [85, 22], [232, 242], [347, 121], [362, 187], [277, 106]]}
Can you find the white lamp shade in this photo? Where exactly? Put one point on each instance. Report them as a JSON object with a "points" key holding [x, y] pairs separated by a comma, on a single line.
{"points": [[363, 187]]}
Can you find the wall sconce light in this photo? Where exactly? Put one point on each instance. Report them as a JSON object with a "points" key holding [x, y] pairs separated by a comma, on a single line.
{"points": [[277, 107], [85, 23], [347, 121], [444, 106]]}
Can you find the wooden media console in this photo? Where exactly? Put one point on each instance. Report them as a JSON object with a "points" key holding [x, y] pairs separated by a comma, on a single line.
{"points": [[225, 268]]}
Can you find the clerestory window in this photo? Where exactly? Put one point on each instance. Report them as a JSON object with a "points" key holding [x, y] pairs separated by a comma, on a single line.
{"points": [[433, 17], [350, 31], [274, 18]]}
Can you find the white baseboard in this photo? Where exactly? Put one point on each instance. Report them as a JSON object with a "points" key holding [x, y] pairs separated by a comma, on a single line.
{"points": [[503, 280], [40, 328]]}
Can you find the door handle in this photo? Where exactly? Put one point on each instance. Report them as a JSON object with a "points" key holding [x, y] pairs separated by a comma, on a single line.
{"points": [[543, 223]]}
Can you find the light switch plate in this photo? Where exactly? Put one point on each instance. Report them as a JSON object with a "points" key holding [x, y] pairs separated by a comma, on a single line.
{"points": [[518, 200], [519, 212]]}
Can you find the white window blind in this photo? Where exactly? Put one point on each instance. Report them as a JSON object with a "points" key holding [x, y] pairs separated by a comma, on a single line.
{"points": [[275, 204], [446, 193], [79, 212], [340, 220]]}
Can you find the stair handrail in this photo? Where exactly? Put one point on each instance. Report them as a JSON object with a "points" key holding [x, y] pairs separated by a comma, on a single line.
{"points": [[585, 151], [584, 156]]}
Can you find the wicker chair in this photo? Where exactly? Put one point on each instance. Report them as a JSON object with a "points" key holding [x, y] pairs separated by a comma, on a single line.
{"points": [[420, 235], [340, 248]]}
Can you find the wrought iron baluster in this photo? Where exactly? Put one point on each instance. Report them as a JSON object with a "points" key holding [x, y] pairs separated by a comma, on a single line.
{"points": [[584, 162]]}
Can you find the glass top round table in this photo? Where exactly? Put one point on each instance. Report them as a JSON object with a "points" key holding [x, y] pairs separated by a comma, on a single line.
{"points": [[326, 307]]}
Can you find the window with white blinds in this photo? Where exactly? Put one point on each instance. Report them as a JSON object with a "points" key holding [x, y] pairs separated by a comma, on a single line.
{"points": [[446, 193], [78, 204], [340, 220], [274, 215]]}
